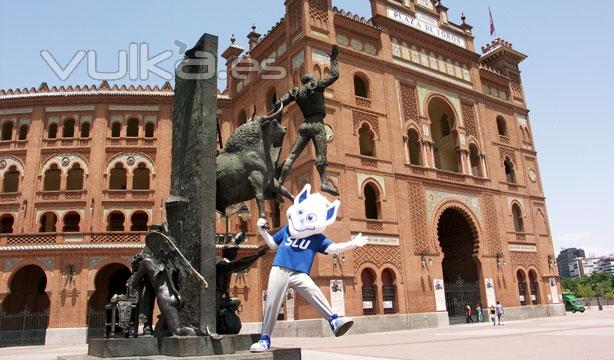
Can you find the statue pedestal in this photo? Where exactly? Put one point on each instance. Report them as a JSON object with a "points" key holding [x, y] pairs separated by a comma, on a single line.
{"points": [[175, 348], [116, 348], [199, 346]]}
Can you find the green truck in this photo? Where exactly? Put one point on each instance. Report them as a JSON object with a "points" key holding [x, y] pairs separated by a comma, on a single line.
{"points": [[571, 303]]}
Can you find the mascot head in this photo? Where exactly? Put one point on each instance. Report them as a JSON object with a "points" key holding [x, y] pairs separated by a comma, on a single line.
{"points": [[311, 214]]}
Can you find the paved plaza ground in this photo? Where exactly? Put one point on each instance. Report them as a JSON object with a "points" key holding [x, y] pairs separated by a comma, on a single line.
{"points": [[578, 336]]}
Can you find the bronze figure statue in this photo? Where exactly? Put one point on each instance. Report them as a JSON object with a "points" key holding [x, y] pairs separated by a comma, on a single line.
{"points": [[228, 321], [158, 272], [310, 99]]}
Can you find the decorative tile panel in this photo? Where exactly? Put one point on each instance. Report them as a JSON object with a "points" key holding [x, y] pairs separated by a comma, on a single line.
{"points": [[48, 262], [10, 263], [436, 197], [93, 261], [362, 177]]}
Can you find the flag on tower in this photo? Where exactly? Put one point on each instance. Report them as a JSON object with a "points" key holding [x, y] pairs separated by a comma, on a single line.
{"points": [[493, 31]]}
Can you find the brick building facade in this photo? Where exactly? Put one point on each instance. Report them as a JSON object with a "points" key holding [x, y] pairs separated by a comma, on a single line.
{"points": [[430, 145]]}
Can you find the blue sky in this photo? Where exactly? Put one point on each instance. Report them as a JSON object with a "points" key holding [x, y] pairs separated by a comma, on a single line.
{"points": [[568, 76]]}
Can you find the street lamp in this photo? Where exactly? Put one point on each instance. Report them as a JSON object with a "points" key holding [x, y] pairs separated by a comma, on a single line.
{"points": [[501, 260], [425, 263], [242, 211]]}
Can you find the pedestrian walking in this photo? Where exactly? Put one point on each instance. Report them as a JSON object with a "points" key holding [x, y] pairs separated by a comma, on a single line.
{"points": [[493, 315], [500, 313], [478, 310], [469, 319]]}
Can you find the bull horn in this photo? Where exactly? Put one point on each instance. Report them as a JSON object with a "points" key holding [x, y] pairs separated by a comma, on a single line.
{"points": [[268, 118], [253, 114]]}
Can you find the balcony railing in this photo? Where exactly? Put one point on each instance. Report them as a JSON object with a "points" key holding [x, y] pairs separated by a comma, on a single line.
{"points": [[61, 195], [363, 102], [9, 197], [71, 238], [66, 142], [128, 194], [13, 144], [131, 141]]}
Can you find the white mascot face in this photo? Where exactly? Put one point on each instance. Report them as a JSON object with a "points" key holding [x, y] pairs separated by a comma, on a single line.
{"points": [[311, 214]]}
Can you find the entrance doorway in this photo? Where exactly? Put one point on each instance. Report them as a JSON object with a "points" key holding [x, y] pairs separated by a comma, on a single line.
{"points": [[24, 316], [110, 280], [459, 243]]}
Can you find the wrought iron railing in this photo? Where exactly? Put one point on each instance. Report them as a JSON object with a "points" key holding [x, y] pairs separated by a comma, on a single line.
{"points": [[96, 320], [23, 329]]}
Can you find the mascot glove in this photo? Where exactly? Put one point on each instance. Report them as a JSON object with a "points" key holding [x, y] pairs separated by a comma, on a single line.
{"points": [[261, 224], [359, 241]]}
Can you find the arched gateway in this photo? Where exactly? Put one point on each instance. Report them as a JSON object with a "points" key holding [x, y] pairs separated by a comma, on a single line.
{"points": [[459, 243], [24, 313]]}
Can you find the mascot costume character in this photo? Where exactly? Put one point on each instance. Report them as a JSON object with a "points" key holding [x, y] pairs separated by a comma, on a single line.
{"points": [[297, 244]]}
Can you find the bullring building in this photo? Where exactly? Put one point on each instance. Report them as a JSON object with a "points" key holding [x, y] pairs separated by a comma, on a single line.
{"points": [[429, 144]]}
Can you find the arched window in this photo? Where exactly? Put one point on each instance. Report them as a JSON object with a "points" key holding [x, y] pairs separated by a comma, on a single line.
{"points": [[444, 141], [522, 287], [389, 291], [85, 130], [132, 129], [116, 129], [68, 130], [534, 287], [118, 179], [10, 183], [372, 202], [52, 178], [47, 222], [476, 163], [242, 119], [518, 220], [52, 131], [115, 221], [23, 132], [361, 86], [6, 224], [510, 173], [369, 292], [7, 131], [271, 99], [413, 147], [74, 180], [140, 178], [139, 221], [366, 139], [72, 222], [501, 126], [150, 129]]}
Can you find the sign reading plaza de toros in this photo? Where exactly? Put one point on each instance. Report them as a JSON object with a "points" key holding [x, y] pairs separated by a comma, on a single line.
{"points": [[428, 25]]}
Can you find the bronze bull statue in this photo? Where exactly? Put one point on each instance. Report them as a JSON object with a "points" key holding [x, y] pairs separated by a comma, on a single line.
{"points": [[247, 165]]}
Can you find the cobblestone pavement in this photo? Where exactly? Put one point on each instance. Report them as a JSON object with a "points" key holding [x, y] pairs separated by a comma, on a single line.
{"points": [[578, 336]]}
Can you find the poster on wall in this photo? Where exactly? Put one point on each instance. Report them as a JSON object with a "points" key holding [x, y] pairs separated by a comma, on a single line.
{"points": [[440, 295], [554, 291], [491, 297], [290, 296], [337, 297]]}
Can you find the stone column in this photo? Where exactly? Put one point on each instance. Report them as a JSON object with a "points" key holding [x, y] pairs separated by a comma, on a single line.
{"points": [[406, 148], [191, 209], [483, 165]]}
